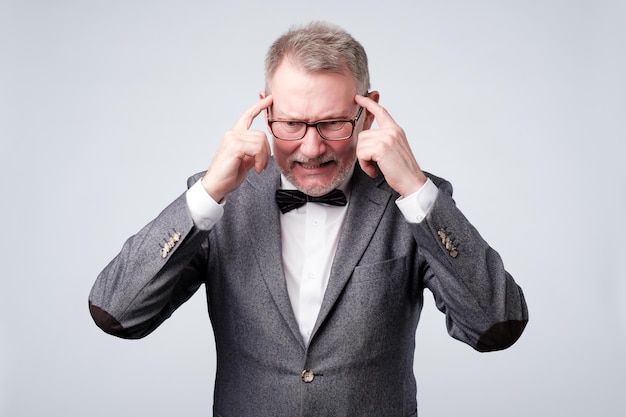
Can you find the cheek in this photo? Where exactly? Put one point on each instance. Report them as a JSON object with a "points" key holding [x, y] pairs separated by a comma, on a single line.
{"points": [[282, 149], [346, 150]]}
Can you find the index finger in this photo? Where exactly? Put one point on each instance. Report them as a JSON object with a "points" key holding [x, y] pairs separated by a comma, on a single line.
{"points": [[380, 113], [246, 119]]}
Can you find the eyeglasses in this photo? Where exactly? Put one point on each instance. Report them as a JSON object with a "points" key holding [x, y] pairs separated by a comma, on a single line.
{"points": [[334, 129]]}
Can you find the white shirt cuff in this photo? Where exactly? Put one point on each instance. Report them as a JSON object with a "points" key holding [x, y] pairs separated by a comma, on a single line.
{"points": [[415, 207], [205, 211]]}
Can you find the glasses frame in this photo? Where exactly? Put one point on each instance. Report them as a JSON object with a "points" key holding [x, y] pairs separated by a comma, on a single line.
{"points": [[352, 121]]}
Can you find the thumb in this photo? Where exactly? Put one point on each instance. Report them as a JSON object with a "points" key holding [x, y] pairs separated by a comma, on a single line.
{"points": [[369, 167]]}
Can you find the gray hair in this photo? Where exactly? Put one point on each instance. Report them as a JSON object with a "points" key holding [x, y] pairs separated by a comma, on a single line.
{"points": [[319, 47]]}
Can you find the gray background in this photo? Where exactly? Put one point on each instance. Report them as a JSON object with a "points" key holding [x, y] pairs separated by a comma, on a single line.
{"points": [[107, 106]]}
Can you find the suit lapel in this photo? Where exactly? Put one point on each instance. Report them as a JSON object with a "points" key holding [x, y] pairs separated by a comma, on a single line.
{"points": [[264, 231], [367, 206]]}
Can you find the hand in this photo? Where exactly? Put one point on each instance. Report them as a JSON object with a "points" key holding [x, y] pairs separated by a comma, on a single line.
{"points": [[240, 150], [387, 149]]}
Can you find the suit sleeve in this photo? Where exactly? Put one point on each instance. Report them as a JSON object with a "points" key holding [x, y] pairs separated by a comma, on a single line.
{"points": [[484, 306], [156, 271]]}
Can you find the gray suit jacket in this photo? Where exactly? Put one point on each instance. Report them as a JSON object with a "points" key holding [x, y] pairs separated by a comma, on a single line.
{"points": [[359, 361]]}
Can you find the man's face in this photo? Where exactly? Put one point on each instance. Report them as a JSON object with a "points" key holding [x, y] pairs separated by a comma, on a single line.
{"points": [[314, 165]]}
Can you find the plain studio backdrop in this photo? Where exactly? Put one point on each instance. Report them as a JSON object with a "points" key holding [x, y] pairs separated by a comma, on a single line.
{"points": [[107, 107]]}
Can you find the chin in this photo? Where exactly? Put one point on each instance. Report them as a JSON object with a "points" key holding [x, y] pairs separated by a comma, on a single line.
{"points": [[317, 190], [318, 186]]}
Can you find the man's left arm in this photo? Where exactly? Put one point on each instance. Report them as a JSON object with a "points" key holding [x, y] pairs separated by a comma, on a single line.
{"points": [[484, 306]]}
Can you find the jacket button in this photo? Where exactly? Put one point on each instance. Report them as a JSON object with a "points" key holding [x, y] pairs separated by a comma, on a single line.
{"points": [[308, 376]]}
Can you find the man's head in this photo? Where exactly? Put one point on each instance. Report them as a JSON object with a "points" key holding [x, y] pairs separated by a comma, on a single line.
{"points": [[319, 47], [313, 74]]}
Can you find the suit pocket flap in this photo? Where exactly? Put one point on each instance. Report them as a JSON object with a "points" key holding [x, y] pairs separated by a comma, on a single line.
{"points": [[389, 269]]}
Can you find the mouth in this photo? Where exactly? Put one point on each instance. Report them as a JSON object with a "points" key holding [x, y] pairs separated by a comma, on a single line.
{"points": [[314, 164]]}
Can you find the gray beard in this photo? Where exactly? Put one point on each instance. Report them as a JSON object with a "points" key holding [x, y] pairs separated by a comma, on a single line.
{"points": [[319, 190]]}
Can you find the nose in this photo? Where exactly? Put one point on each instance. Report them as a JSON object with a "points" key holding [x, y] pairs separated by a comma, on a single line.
{"points": [[313, 145]]}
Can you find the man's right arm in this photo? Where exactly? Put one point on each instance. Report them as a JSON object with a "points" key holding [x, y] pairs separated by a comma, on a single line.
{"points": [[156, 271], [160, 267]]}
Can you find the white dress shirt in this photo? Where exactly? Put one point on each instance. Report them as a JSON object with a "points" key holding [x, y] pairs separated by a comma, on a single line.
{"points": [[309, 237]]}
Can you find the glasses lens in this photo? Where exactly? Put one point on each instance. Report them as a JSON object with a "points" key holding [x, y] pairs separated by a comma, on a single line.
{"points": [[288, 130], [335, 129]]}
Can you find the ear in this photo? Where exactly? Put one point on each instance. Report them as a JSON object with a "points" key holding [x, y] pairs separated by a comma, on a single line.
{"points": [[262, 95], [369, 117]]}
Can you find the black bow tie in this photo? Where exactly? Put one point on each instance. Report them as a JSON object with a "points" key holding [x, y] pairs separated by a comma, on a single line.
{"points": [[292, 199]]}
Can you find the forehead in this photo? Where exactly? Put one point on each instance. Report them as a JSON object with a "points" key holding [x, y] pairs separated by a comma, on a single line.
{"points": [[311, 95]]}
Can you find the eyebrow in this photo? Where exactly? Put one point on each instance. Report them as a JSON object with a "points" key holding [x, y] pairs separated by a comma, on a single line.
{"points": [[297, 119]]}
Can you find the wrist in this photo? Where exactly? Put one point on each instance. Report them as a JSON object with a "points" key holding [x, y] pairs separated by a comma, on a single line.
{"points": [[214, 192], [413, 185]]}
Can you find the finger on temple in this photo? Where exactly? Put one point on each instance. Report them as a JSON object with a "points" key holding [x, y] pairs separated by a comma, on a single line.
{"points": [[246, 119]]}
